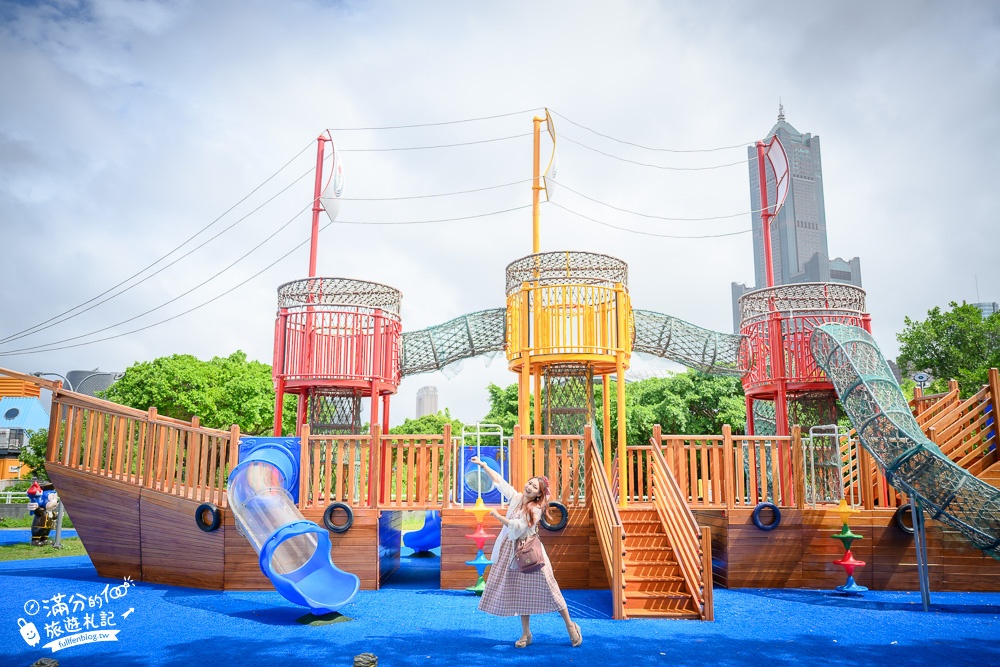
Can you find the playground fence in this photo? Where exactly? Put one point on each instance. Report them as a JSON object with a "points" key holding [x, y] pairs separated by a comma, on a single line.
{"points": [[607, 524], [139, 447]]}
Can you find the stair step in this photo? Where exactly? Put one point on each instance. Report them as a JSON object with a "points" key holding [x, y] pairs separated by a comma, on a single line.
{"points": [[651, 541], [666, 597], [645, 528], [658, 555], [670, 586], [659, 613], [652, 569]]}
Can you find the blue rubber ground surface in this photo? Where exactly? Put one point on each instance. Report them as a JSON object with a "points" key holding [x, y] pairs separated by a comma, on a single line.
{"points": [[19, 535], [414, 623]]}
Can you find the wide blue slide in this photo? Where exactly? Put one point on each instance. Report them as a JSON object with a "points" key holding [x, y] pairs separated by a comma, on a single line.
{"points": [[428, 536], [294, 552]]}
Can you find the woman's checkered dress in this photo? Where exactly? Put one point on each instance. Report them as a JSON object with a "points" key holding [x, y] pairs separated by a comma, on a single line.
{"points": [[510, 592]]}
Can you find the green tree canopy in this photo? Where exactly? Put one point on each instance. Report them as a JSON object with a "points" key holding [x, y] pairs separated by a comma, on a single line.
{"points": [[690, 403], [503, 407], [33, 453], [221, 392], [957, 344], [430, 424]]}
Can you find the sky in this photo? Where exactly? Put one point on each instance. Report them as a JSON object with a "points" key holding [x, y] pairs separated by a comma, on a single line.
{"points": [[147, 147]]}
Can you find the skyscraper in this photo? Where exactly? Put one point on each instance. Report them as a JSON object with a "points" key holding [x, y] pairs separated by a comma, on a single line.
{"points": [[427, 401], [798, 233]]}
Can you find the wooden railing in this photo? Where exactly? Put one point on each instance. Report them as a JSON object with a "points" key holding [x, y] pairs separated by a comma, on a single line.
{"points": [[416, 471], [607, 524], [558, 457], [926, 409], [139, 447], [336, 469], [683, 532]]}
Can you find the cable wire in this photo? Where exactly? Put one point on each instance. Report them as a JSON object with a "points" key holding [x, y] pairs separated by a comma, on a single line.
{"points": [[563, 186], [423, 148], [47, 347], [443, 194], [179, 296], [646, 164], [648, 148], [447, 122], [636, 231], [38, 328], [18, 334], [430, 222]]}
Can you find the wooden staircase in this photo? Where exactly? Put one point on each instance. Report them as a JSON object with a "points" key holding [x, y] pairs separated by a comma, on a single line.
{"points": [[654, 585]]}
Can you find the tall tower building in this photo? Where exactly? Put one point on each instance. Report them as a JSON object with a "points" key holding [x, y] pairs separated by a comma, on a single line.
{"points": [[427, 401], [798, 233]]}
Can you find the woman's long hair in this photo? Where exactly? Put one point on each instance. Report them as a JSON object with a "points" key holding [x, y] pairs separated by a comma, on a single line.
{"points": [[541, 502]]}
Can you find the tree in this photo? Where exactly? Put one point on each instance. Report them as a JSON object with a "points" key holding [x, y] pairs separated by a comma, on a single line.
{"points": [[503, 407], [221, 392], [957, 344], [689, 403], [33, 453], [430, 424]]}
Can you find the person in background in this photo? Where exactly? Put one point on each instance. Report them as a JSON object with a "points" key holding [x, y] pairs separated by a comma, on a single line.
{"points": [[510, 592]]}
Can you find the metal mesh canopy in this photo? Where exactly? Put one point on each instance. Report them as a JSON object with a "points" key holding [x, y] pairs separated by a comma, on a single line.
{"points": [[887, 429], [548, 268], [765, 421], [433, 348], [334, 410], [339, 292], [568, 398], [687, 344], [817, 298]]}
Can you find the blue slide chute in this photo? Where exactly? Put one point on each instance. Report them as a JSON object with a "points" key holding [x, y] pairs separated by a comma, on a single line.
{"points": [[428, 536], [294, 552]]}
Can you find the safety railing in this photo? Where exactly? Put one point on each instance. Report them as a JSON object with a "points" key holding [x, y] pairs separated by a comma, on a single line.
{"points": [[561, 459], [416, 471], [336, 469], [683, 532], [139, 447], [607, 525]]}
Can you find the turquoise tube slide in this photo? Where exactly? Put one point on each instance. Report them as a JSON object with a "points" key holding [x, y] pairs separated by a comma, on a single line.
{"points": [[886, 427], [294, 552]]}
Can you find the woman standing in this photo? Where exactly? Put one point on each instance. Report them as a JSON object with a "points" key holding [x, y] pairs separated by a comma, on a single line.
{"points": [[510, 592]]}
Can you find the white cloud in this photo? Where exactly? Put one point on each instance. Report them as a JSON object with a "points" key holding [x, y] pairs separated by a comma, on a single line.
{"points": [[127, 127]]}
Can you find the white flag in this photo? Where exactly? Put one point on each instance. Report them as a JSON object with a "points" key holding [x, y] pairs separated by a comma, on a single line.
{"points": [[334, 186]]}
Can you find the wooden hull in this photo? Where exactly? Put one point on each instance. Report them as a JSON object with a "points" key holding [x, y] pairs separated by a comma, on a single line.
{"points": [[799, 553], [152, 536]]}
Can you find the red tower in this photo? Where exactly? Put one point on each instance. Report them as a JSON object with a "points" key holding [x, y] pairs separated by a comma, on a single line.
{"points": [[778, 321], [336, 340]]}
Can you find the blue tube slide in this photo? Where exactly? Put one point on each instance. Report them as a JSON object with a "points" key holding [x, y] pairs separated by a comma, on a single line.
{"points": [[294, 552], [427, 537]]}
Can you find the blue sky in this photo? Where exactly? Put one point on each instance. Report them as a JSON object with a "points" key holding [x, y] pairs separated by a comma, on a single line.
{"points": [[127, 127]]}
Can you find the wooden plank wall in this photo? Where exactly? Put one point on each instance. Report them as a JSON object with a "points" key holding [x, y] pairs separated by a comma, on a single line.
{"points": [[173, 549], [800, 552], [573, 551], [355, 551], [718, 523], [106, 517]]}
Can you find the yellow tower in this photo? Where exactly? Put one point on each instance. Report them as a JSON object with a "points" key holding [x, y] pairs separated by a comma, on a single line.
{"points": [[569, 319]]}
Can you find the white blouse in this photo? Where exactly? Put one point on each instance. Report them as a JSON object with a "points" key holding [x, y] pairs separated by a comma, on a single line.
{"points": [[517, 524]]}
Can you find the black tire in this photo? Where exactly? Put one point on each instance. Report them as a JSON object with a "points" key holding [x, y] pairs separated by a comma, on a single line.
{"points": [[903, 519], [213, 519], [766, 526], [563, 517], [335, 527]]}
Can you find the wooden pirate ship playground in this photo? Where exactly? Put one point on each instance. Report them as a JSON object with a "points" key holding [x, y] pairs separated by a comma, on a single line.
{"points": [[658, 522]]}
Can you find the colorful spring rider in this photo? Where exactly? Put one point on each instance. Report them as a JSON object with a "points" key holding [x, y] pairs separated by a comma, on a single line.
{"points": [[848, 562], [480, 535]]}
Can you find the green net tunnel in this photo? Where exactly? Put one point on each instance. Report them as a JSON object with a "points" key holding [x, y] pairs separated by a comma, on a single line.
{"points": [[887, 429]]}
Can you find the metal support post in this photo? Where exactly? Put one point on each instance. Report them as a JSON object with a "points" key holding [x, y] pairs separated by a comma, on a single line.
{"points": [[920, 546]]}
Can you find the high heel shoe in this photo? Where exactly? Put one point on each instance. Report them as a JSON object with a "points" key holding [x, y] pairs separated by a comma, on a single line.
{"points": [[575, 637], [523, 641]]}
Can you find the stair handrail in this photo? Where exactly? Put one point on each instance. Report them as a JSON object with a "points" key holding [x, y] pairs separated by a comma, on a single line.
{"points": [[682, 530], [608, 525]]}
